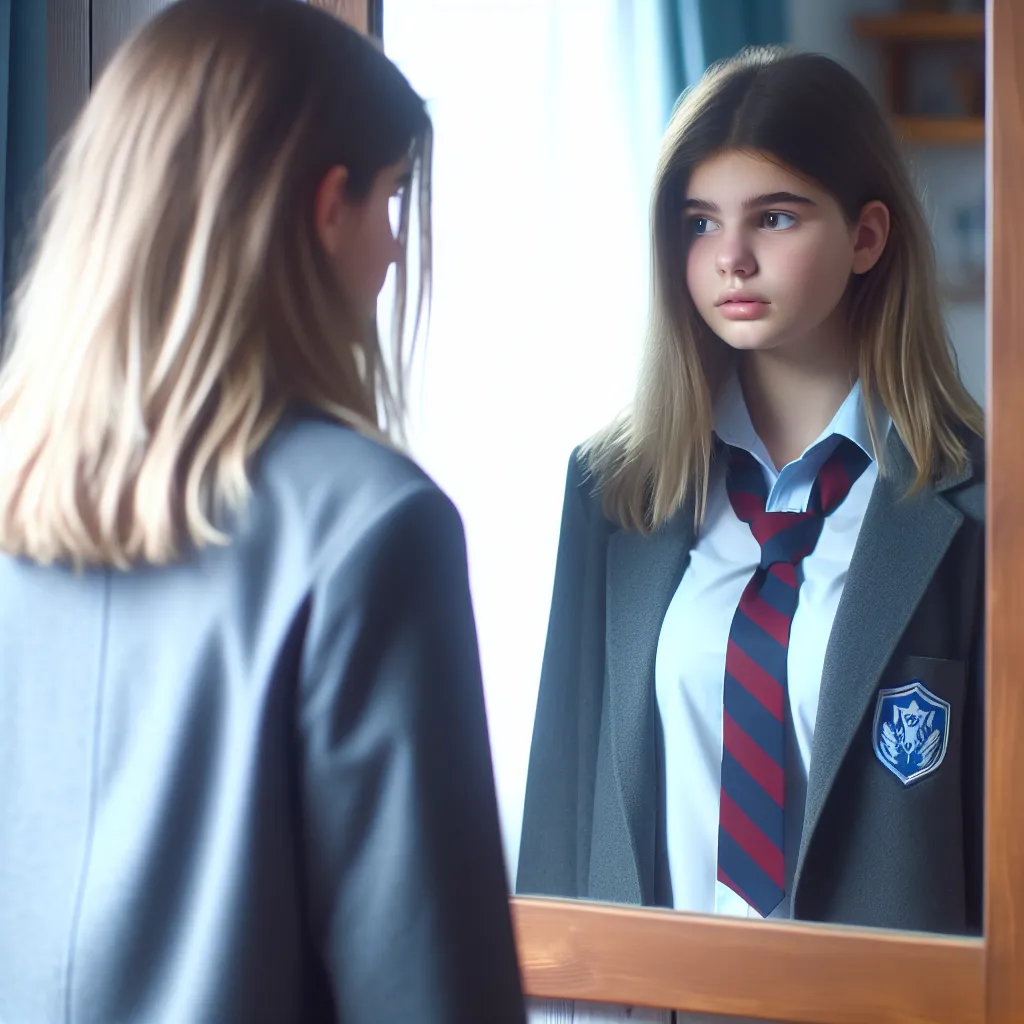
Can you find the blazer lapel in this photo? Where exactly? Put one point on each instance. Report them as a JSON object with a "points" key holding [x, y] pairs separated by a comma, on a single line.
{"points": [[642, 576], [902, 541]]}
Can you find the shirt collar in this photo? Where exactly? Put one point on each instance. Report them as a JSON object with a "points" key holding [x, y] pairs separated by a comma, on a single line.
{"points": [[733, 425]]}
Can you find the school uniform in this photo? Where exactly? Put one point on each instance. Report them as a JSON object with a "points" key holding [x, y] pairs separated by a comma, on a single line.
{"points": [[625, 774], [255, 786]]}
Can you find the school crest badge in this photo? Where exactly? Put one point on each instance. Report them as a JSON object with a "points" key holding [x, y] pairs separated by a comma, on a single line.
{"points": [[911, 731]]}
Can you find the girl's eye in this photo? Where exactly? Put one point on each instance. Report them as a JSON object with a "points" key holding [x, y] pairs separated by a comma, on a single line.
{"points": [[395, 213], [776, 220], [702, 225]]}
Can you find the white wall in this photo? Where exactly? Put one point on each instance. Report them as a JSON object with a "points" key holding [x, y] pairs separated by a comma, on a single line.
{"points": [[948, 175]]}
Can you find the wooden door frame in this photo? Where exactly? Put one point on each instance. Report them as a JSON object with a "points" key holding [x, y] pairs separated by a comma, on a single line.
{"points": [[812, 973]]}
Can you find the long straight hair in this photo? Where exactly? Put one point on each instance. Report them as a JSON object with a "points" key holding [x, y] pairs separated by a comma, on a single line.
{"points": [[809, 114], [178, 299]]}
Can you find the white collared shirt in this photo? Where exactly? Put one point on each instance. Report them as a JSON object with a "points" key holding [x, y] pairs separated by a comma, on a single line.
{"points": [[690, 665]]}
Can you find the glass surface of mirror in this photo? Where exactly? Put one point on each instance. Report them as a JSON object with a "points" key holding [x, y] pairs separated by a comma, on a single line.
{"points": [[696, 719]]}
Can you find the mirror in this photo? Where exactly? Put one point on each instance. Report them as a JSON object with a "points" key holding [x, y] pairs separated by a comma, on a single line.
{"points": [[549, 118]]}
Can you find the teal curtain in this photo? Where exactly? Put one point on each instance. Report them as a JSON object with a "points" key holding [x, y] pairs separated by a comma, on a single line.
{"points": [[701, 32], [23, 138]]}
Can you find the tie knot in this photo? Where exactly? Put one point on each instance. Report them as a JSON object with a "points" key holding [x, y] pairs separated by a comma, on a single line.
{"points": [[789, 537], [786, 537]]}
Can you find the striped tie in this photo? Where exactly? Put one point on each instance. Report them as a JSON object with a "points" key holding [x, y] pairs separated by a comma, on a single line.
{"points": [[751, 858]]}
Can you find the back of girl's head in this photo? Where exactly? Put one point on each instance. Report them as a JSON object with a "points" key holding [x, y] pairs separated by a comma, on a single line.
{"points": [[178, 299], [813, 117]]}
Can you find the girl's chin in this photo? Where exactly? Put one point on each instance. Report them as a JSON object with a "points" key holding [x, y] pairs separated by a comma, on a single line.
{"points": [[743, 339]]}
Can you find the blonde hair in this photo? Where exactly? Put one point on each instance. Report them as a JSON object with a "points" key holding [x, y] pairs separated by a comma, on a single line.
{"points": [[809, 114], [178, 301]]}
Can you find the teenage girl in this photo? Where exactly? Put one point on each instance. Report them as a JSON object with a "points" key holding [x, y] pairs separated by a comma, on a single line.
{"points": [[762, 689], [244, 767]]}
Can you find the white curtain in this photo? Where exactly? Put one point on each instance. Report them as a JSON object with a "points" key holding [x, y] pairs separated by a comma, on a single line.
{"points": [[547, 116]]}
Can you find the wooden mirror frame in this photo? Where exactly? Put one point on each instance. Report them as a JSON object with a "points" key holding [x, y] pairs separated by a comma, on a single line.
{"points": [[816, 973]]}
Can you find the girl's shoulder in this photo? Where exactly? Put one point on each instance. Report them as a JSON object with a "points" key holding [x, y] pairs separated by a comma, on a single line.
{"points": [[319, 452], [582, 486], [586, 499], [327, 481], [966, 490]]}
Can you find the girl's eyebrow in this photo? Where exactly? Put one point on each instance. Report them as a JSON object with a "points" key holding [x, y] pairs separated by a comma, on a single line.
{"points": [[768, 199]]}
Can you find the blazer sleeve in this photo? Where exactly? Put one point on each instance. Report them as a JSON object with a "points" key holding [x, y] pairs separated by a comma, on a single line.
{"points": [[405, 877], [554, 847], [974, 778]]}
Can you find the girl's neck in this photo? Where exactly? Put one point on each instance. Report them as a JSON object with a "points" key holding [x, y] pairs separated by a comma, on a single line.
{"points": [[792, 396]]}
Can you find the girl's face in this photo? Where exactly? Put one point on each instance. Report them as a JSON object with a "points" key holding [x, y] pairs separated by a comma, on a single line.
{"points": [[359, 236], [771, 254]]}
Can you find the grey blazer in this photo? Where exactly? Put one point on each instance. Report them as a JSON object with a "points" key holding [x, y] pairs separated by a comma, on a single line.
{"points": [[873, 850], [255, 786]]}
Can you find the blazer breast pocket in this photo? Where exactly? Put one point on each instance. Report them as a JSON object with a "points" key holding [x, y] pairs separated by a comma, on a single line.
{"points": [[918, 717]]}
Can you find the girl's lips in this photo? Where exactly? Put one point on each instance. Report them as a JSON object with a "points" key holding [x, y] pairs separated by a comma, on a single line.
{"points": [[743, 309]]}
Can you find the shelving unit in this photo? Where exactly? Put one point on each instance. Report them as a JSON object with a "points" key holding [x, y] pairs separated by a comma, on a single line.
{"points": [[941, 131], [901, 34], [922, 27]]}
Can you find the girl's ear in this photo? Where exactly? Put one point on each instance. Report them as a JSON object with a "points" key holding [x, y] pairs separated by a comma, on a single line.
{"points": [[869, 235], [330, 208]]}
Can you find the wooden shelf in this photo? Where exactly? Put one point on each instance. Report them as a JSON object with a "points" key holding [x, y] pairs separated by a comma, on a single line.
{"points": [[922, 27], [941, 131]]}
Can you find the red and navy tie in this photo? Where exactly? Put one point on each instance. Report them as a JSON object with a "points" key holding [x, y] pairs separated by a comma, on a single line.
{"points": [[751, 848]]}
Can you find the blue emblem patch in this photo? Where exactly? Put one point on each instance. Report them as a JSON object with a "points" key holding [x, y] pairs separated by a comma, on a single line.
{"points": [[911, 731]]}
